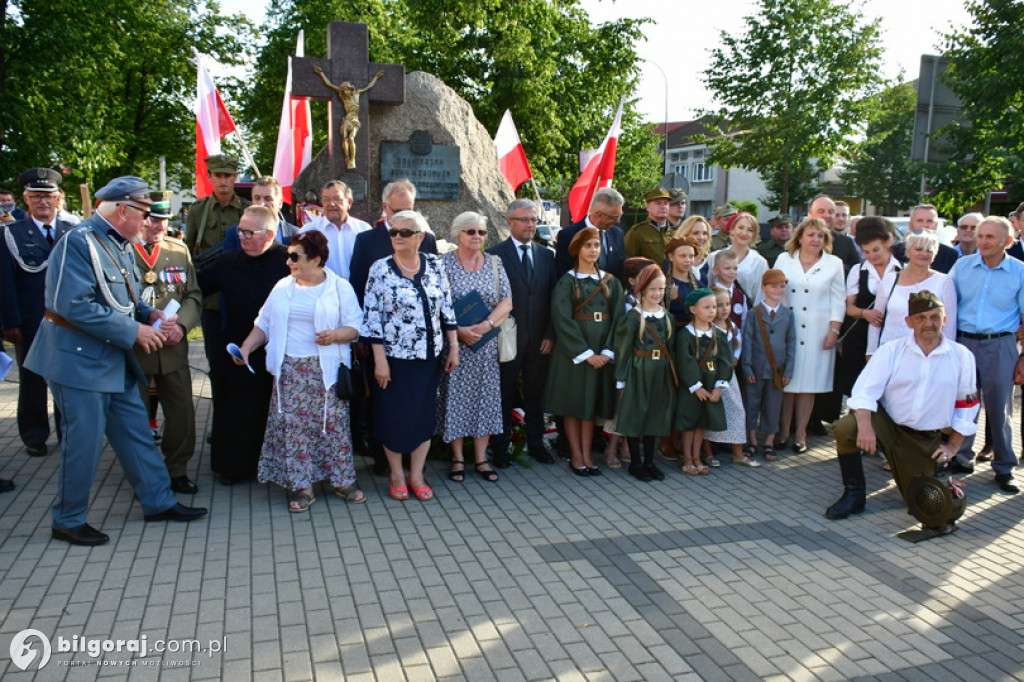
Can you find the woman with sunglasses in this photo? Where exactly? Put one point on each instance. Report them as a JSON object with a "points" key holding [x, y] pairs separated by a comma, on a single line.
{"points": [[307, 324], [410, 325], [470, 398]]}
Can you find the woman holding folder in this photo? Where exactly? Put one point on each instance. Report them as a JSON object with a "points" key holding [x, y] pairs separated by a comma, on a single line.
{"points": [[470, 398]]}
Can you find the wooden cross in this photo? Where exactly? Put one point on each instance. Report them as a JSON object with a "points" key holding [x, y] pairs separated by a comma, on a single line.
{"points": [[347, 66]]}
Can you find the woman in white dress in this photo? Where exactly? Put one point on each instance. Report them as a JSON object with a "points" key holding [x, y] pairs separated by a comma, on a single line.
{"points": [[893, 296], [817, 294], [752, 265]]}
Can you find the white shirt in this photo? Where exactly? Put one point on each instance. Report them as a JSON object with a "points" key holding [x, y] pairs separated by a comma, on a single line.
{"points": [[340, 241], [923, 392], [523, 257], [895, 301], [853, 279]]}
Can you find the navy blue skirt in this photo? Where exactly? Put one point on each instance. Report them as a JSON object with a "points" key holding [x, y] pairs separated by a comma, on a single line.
{"points": [[403, 413]]}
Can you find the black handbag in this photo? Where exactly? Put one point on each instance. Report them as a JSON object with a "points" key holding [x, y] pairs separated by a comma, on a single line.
{"points": [[343, 386]]}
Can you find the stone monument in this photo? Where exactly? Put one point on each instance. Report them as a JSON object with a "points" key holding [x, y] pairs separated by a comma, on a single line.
{"points": [[431, 137]]}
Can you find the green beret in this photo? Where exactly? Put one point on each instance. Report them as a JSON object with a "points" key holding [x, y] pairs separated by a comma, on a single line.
{"points": [[695, 295]]}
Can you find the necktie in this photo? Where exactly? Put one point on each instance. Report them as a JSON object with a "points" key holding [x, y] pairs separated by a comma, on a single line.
{"points": [[602, 260], [771, 315], [527, 263], [49, 234]]}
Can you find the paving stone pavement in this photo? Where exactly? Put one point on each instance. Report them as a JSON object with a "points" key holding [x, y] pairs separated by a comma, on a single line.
{"points": [[544, 575]]}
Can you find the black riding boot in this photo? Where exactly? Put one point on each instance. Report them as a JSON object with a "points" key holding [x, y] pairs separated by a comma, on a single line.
{"points": [[852, 501]]}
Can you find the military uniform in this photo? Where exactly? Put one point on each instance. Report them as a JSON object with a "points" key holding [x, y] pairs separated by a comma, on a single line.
{"points": [[24, 252], [771, 250], [167, 274], [648, 241]]}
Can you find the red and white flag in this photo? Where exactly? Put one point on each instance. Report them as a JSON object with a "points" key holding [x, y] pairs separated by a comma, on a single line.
{"points": [[598, 172], [511, 156], [213, 122], [295, 134]]}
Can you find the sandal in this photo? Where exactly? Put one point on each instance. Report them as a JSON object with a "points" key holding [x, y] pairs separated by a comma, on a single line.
{"points": [[690, 470], [611, 459], [350, 493], [399, 493], [768, 452], [703, 470], [423, 493], [299, 501], [747, 461], [457, 475], [486, 474], [710, 461]]}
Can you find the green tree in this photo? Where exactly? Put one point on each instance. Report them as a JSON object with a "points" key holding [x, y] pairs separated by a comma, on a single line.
{"points": [[797, 183], [792, 86], [105, 88], [561, 76], [984, 72], [880, 169]]}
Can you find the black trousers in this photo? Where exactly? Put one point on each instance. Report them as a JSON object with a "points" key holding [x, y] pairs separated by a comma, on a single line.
{"points": [[33, 415], [532, 366]]}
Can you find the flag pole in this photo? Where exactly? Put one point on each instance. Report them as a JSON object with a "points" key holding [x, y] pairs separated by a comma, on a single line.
{"points": [[246, 154]]}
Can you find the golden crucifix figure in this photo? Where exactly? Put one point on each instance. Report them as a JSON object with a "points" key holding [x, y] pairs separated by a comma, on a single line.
{"points": [[349, 96]]}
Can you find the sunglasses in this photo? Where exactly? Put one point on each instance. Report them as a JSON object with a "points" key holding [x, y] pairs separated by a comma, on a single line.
{"points": [[482, 233], [295, 256], [404, 233]]}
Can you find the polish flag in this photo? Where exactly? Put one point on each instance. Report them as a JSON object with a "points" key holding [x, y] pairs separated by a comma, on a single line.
{"points": [[598, 172], [511, 156], [213, 122], [294, 135]]}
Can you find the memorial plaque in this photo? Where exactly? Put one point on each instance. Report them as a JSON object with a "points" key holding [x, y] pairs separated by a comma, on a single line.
{"points": [[435, 169]]}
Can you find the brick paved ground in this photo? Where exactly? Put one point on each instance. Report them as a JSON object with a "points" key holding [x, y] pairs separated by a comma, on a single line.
{"points": [[542, 576]]}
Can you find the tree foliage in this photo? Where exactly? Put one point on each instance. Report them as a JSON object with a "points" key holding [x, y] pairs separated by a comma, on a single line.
{"points": [[104, 87], [984, 72], [561, 76], [880, 169], [791, 86]]}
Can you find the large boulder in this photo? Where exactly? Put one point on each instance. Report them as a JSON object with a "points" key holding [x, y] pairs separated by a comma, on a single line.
{"points": [[432, 106]]}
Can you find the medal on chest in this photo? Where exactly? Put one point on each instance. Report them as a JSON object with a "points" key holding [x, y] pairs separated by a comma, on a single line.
{"points": [[149, 277]]}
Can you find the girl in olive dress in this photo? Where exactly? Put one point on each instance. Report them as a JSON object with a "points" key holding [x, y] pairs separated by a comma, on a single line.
{"points": [[644, 371], [704, 362], [586, 305]]}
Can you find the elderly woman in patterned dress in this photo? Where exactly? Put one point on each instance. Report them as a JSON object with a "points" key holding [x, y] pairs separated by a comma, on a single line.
{"points": [[307, 324], [408, 318], [470, 397]]}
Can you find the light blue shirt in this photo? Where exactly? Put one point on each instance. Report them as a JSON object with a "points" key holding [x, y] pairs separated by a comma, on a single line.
{"points": [[989, 300]]}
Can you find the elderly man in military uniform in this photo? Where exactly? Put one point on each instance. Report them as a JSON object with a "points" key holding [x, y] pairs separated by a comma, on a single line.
{"points": [[676, 209], [167, 274], [205, 228], [24, 253], [648, 239], [94, 317], [781, 230]]}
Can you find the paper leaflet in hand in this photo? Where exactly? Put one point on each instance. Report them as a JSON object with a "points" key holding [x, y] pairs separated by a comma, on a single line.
{"points": [[170, 311], [236, 352]]}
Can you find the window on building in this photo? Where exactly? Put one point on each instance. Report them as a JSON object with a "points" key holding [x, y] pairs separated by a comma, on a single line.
{"points": [[702, 172], [680, 169]]}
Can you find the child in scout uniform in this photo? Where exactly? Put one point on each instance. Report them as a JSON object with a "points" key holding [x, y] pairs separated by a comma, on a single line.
{"points": [[767, 357], [645, 371], [630, 271], [586, 305], [734, 433], [680, 253], [726, 269], [704, 362]]}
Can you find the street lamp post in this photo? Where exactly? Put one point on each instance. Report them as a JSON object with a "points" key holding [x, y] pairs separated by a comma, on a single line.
{"points": [[665, 77]]}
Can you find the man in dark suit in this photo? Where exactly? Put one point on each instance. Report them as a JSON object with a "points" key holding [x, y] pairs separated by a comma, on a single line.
{"points": [[371, 246], [604, 214], [24, 251], [926, 217], [531, 273], [375, 244]]}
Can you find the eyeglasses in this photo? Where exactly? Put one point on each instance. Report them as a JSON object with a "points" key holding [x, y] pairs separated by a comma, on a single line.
{"points": [[615, 218], [143, 211], [404, 233], [295, 256], [41, 197], [533, 219], [249, 234], [471, 233]]}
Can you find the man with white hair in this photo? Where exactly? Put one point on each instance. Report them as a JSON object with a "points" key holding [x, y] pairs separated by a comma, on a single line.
{"points": [[967, 233], [94, 317], [605, 212]]}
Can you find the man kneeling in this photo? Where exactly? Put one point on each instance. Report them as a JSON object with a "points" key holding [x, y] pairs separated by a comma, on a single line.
{"points": [[911, 391]]}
